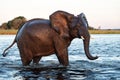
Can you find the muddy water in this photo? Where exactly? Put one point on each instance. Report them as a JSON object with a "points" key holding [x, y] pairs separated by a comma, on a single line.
{"points": [[107, 67]]}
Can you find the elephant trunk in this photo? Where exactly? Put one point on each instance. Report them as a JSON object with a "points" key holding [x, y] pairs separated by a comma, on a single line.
{"points": [[85, 36], [86, 48]]}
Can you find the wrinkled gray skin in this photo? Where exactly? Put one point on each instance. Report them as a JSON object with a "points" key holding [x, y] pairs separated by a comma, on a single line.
{"points": [[42, 37]]}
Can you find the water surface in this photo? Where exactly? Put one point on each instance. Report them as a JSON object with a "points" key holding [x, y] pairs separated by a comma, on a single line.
{"points": [[107, 67]]}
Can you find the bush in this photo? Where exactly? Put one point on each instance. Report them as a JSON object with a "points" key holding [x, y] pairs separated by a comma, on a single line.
{"points": [[91, 28], [3, 26], [15, 23]]}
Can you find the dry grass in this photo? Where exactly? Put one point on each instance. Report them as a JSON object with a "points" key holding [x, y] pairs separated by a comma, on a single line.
{"points": [[12, 32], [104, 31], [7, 32]]}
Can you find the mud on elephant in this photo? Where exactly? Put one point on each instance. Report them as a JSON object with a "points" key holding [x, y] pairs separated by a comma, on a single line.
{"points": [[43, 37]]}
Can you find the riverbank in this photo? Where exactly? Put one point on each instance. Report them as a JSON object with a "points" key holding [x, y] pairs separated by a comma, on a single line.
{"points": [[104, 31], [12, 32], [8, 32]]}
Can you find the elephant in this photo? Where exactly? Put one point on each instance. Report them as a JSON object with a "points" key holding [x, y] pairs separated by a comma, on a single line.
{"points": [[43, 37]]}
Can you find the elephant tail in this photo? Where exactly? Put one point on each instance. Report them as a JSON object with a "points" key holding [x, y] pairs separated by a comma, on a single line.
{"points": [[4, 52]]}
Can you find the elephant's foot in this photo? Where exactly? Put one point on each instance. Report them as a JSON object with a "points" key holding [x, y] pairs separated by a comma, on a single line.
{"points": [[63, 59], [62, 66], [26, 63], [34, 65]]}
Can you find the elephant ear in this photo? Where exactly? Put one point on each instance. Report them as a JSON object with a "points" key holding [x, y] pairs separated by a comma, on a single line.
{"points": [[74, 21], [60, 22]]}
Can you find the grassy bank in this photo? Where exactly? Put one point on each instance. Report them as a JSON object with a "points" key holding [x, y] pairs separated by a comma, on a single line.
{"points": [[104, 31], [11, 32], [7, 32]]}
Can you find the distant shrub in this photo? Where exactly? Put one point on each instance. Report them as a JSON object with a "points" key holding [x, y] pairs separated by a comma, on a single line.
{"points": [[9, 24], [4, 26], [91, 28], [15, 23]]}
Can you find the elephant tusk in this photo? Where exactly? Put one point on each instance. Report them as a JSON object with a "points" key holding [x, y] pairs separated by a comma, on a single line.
{"points": [[82, 37]]}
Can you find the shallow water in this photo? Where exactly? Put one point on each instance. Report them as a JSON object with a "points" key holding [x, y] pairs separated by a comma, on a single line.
{"points": [[106, 67]]}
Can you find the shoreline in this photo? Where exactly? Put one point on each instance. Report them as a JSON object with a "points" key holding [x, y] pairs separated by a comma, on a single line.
{"points": [[104, 31], [13, 32], [8, 32]]}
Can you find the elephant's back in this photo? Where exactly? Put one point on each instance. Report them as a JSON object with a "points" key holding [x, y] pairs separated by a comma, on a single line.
{"points": [[35, 24], [38, 21], [33, 27]]}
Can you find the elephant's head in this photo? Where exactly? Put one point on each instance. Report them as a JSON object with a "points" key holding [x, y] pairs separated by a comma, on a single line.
{"points": [[68, 25], [82, 27]]}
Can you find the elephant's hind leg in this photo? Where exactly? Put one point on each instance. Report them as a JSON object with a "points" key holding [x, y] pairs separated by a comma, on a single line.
{"points": [[26, 56], [36, 59], [26, 62]]}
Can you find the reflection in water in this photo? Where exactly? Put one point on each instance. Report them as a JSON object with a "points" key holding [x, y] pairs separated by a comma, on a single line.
{"points": [[43, 74], [54, 73]]}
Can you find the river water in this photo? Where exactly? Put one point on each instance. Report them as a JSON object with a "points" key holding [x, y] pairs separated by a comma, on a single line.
{"points": [[106, 67]]}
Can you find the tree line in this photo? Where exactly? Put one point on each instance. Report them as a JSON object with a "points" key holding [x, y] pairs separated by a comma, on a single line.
{"points": [[18, 22]]}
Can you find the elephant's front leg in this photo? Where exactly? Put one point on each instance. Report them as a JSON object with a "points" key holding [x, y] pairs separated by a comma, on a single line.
{"points": [[62, 55]]}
